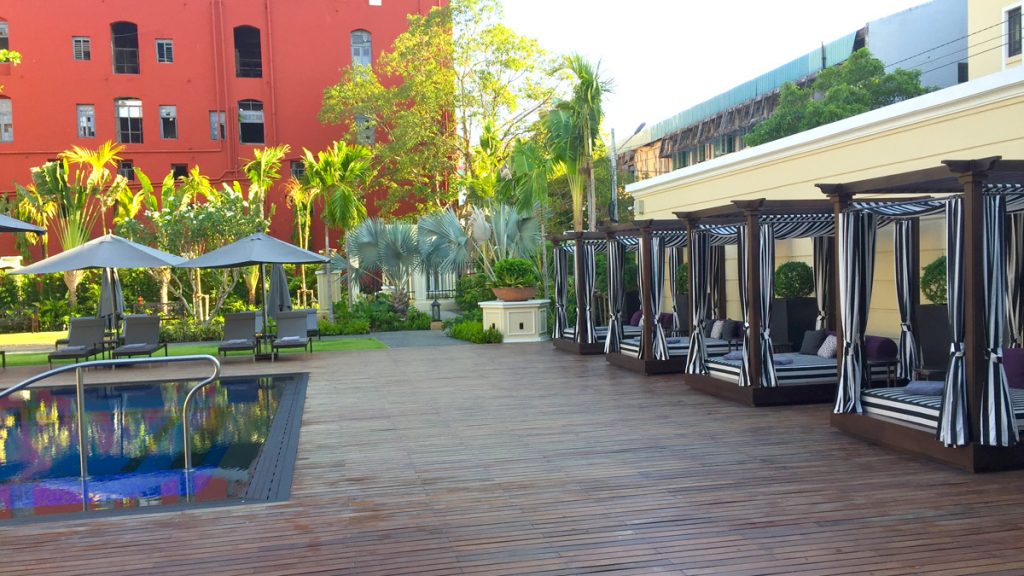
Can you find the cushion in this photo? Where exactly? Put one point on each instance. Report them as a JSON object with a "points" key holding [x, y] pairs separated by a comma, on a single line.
{"points": [[236, 341], [782, 360], [708, 325], [828, 347], [734, 355], [716, 329], [1013, 363], [73, 348], [879, 348], [925, 387], [634, 320], [731, 330], [665, 319], [813, 339]]}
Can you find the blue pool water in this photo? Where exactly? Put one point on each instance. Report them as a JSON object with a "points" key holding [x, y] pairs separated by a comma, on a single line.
{"points": [[136, 456]]}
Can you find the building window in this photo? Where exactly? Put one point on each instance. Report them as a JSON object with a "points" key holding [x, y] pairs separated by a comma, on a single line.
{"points": [[127, 169], [248, 57], [366, 134], [81, 48], [169, 122], [124, 39], [298, 169], [1013, 32], [165, 51], [250, 122], [217, 129], [6, 120], [86, 121], [5, 43], [362, 51], [179, 170], [129, 120]]}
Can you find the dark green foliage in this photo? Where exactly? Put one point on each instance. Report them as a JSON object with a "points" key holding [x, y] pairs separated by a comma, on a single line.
{"points": [[189, 329], [471, 289], [416, 320], [350, 326], [515, 273], [858, 85], [472, 330], [933, 281], [374, 313], [683, 278], [794, 280]]}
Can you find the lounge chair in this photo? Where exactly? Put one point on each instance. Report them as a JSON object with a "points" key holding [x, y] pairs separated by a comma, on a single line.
{"points": [[239, 334], [85, 339], [141, 337], [312, 326], [291, 332]]}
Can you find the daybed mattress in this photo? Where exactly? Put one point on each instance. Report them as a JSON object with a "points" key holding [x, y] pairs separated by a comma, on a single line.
{"points": [[628, 330], [805, 369], [677, 346], [922, 411]]}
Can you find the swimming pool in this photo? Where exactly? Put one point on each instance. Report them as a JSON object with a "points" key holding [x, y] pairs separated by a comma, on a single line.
{"points": [[244, 436]]}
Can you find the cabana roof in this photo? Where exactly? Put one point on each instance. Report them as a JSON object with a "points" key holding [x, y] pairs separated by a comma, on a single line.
{"points": [[1000, 175]]}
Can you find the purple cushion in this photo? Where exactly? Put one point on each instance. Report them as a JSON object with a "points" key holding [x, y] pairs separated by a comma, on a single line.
{"points": [[879, 348], [635, 319], [665, 319], [1013, 363]]}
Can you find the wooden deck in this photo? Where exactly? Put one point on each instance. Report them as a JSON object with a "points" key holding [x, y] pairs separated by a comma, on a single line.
{"points": [[520, 459]]}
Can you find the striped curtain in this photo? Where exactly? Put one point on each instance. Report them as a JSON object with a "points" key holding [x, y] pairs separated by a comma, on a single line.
{"points": [[857, 234], [998, 425], [824, 248], [741, 261], [616, 295], [700, 247], [585, 288], [561, 270], [954, 427], [1015, 278], [766, 267], [717, 263], [907, 354], [673, 265], [659, 348]]}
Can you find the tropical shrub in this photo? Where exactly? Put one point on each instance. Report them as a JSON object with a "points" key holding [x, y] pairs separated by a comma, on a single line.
{"points": [[933, 281], [188, 329], [515, 273], [346, 327], [470, 290], [683, 278], [473, 331], [794, 280]]}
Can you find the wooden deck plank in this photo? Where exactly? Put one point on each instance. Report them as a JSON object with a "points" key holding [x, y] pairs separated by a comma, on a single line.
{"points": [[519, 459]]}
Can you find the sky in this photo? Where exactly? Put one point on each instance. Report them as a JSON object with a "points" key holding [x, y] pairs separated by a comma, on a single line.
{"points": [[665, 56]]}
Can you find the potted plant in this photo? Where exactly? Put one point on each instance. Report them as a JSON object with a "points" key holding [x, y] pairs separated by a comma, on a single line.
{"points": [[683, 295], [793, 311], [515, 280]]}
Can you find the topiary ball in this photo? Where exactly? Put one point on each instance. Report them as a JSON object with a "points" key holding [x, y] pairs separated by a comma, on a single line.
{"points": [[794, 280]]}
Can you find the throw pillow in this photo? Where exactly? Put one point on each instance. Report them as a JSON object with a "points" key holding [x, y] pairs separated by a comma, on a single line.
{"points": [[828, 348], [731, 330], [716, 329], [635, 319], [1013, 363], [813, 339]]}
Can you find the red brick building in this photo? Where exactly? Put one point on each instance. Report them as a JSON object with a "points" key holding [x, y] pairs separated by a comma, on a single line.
{"points": [[183, 83]]}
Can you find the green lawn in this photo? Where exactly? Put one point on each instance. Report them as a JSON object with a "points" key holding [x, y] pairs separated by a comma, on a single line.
{"points": [[39, 358], [31, 338]]}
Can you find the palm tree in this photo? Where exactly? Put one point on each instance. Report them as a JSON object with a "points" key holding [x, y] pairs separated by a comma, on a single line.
{"points": [[100, 182], [531, 168], [390, 250], [575, 126], [262, 171]]}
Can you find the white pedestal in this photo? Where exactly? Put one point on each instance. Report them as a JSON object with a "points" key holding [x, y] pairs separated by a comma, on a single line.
{"points": [[326, 298], [518, 321]]}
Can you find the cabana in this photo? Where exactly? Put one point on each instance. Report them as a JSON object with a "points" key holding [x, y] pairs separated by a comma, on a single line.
{"points": [[972, 420], [653, 352]]}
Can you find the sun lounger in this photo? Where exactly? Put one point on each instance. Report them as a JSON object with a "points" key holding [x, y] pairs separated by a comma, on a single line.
{"points": [[291, 332], [141, 337], [85, 339], [239, 334]]}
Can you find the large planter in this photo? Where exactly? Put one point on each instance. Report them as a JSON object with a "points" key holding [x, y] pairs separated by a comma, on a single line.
{"points": [[511, 294], [931, 330], [791, 317]]}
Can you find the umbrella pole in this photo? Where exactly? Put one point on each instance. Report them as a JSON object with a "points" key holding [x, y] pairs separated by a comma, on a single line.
{"points": [[263, 292]]}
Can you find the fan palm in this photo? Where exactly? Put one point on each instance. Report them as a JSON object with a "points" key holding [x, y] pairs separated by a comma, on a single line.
{"points": [[262, 171], [389, 250]]}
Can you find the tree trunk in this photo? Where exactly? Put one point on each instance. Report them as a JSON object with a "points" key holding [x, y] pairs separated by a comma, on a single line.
{"points": [[71, 279], [591, 197], [544, 254]]}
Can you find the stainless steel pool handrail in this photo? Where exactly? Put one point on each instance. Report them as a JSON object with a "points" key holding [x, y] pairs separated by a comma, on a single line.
{"points": [[83, 448]]}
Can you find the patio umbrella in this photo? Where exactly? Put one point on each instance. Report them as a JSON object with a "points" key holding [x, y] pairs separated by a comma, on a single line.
{"points": [[255, 250], [8, 224], [111, 297], [278, 297], [107, 252]]}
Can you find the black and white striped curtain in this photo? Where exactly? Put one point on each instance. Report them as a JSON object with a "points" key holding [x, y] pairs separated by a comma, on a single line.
{"points": [[659, 348], [954, 426], [741, 264], [1015, 278], [857, 234], [717, 264], [616, 295], [766, 267], [907, 354], [998, 425], [824, 249], [673, 265], [700, 247], [561, 270], [585, 278]]}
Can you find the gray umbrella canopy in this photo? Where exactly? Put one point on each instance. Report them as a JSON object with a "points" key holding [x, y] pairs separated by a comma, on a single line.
{"points": [[253, 250], [278, 298], [8, 224], [104, 252]]}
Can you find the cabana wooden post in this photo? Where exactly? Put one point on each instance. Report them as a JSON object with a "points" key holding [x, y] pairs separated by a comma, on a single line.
{"points": [[971, 181]]}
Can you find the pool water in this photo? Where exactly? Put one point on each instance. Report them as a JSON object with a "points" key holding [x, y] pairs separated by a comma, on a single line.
{"points": [[136, 456]]}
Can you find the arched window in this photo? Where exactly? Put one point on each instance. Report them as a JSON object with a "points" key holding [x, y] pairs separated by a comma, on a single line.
{"points": [[362, 49], [128, 111], [6, 120], [250, 121], [124, 41], [5, 43], [248, 56]]}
